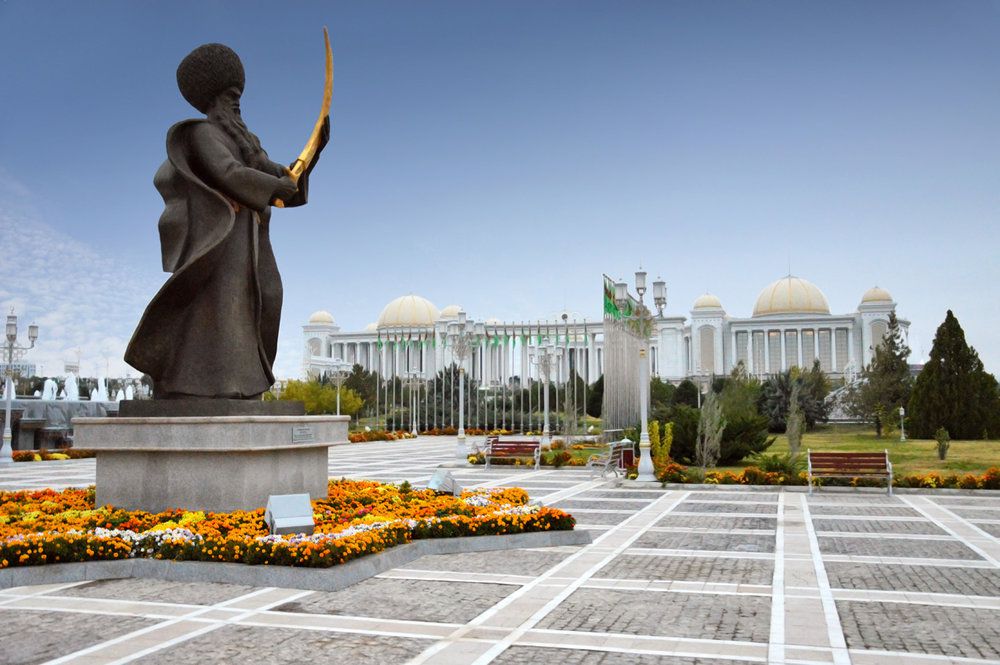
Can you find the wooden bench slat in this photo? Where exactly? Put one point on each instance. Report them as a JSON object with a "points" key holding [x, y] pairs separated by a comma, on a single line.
{"points": [[850, 465], [513, 448]]}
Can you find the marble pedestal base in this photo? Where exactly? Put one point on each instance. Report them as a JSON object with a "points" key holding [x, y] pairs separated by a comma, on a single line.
{"points": [[219, 463]]}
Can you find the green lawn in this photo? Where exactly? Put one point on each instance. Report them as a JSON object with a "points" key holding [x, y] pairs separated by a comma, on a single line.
{"points": [[913, 456]]}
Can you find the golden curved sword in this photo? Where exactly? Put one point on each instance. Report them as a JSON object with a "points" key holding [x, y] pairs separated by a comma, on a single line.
{"points": [[308, 153]]}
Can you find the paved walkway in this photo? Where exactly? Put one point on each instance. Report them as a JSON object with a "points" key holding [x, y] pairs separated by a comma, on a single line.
{"points": [[678, 576]]}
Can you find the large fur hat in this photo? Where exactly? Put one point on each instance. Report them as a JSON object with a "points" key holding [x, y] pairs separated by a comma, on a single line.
{"points": [[207, 71]]}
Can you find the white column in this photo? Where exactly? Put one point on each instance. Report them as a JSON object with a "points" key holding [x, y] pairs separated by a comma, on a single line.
{"points": [[767, 352], [732, 333], [798, 343], [750, 367], [850, 347], [783, 363], [815, 345]]}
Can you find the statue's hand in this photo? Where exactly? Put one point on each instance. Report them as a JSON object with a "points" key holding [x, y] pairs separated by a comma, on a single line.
{"points": [[286, 188]]}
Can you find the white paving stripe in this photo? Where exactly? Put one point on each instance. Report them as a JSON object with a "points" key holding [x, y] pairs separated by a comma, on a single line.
{"points": [[149, 629], [833, 626], [776, 641], [429, 654], [924, 507], [535, 618]]}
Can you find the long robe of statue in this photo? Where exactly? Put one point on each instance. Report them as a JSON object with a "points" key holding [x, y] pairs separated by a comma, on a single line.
{"points": [[212, 329]]}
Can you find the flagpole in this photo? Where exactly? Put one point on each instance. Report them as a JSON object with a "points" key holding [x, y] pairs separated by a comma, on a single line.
{"points": [[586, 373]]}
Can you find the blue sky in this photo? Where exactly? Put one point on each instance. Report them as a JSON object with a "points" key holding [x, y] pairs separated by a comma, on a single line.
{"points": [[502, 155]]}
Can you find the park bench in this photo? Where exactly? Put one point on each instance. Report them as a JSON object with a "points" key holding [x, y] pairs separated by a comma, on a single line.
{"points": [[513, 448], [850, 465], [616, 459]]}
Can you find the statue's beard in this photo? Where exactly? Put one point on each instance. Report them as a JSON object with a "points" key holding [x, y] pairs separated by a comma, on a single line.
{"points": [[229, 119]]}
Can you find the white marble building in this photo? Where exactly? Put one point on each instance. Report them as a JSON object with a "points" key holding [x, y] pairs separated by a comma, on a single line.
{"points": [[791, 325]]}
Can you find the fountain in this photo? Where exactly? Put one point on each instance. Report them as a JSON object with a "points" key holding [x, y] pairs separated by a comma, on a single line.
{"points": [[71, 388], [49, 389], [101, 391]]}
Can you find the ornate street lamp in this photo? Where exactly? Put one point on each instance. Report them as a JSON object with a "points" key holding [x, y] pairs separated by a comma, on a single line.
{"points": [[341, 370], [643, 320], [13, 351], [462, 336], [902, 425], [546, 357], [413, 380], [659, 296]]}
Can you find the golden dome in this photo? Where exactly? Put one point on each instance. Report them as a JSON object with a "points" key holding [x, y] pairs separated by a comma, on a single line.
{"points": [[408, 312], [451, 312], [876, 294], [323, 317], [791, 295], [707, 301]]}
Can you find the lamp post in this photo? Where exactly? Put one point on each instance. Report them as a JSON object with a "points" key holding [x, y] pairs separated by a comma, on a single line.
{"points": [[413, 381], [341, 370], [462, 334], [644, 326], [902, 427], [545, 358], [13, 351]]}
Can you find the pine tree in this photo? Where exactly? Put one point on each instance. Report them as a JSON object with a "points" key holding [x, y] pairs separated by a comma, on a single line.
{"points": [[954, 391], [886, 383]]}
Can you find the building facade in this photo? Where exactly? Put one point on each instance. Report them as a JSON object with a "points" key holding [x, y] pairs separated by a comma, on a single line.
{"points": [[791, 325]]}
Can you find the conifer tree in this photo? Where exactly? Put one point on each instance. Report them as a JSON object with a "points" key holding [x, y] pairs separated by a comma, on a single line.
{"points": [[886, 383], [954, 391]]}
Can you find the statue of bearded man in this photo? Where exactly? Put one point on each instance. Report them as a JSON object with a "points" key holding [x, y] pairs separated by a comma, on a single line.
{"points": [[212, 329]]}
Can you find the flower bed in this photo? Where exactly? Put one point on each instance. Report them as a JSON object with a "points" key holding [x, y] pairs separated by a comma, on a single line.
{"points": [[752, 475], [357, 518], [379, 435], [469, 431], [43, 455]]}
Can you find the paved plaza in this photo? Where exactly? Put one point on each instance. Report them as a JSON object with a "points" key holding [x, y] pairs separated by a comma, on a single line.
{"points": [[727, 575]]}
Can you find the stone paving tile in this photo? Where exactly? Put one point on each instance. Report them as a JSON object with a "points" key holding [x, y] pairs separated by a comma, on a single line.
{"points": [[694, 507], [916, 628], [992, 501], [734, 496], [518, 655], [977, 513], [649, 495], [157, 591], [509, 562], [598, 504], [717, 522], [33, 637], [737, 542], [412, 600], [879, 526], [600, 518], [718, 617], [254, 644], [842, 497], [923, 579], [992, 529], [544, 484], [688, 569], [897, 547], [864, 511]]}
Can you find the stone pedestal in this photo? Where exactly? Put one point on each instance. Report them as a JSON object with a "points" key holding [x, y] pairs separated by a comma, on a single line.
{"points": [[210, 463]]}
